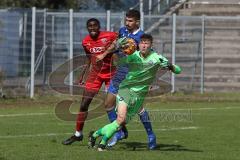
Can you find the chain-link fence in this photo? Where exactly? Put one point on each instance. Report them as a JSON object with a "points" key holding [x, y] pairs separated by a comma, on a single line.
{"points": [[203, 46], [149, 7]]}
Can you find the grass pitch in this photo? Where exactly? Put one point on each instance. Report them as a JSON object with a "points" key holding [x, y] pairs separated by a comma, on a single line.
{"points": [[187, 127]]}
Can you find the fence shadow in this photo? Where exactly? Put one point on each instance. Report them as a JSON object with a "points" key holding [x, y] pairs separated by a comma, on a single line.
{"points": [[139, 146]]}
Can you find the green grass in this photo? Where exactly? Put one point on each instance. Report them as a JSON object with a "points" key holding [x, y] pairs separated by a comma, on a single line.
{"points": [[187, 127]]}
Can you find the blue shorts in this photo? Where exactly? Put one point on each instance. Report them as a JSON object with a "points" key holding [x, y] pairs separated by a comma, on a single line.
{"points": [[119, 76]]}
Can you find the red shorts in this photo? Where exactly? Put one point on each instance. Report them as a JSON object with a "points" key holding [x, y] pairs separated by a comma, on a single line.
{"points": [[94, 81]]}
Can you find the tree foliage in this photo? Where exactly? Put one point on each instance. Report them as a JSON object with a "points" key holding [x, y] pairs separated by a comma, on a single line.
{"points": [[66, 4], [52, 4]]}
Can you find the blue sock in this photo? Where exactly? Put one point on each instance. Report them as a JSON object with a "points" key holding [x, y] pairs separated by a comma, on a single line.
{"points": [[112, 115], [144, 117]]}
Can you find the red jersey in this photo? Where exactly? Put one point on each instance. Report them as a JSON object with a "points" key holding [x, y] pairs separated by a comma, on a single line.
{"points": [[94, 47]]}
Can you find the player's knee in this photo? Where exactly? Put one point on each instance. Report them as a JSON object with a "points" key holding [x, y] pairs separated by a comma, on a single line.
{"points": [[86, 100], [108, 106], [84, 107], [141, 110], [121, 119]]}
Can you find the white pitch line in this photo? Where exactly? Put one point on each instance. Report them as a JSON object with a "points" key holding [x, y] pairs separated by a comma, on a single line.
{"points": [[24, 114], [58, 134], [206, 108], [174, 109], [167, 129], [33, 135]]}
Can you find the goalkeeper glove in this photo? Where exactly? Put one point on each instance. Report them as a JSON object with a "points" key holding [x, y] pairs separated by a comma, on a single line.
{"points": [[163, 62], [121, 42], [174, 68]]}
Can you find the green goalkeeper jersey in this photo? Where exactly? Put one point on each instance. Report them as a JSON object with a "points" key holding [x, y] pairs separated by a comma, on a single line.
{"points": [[142, 71]]}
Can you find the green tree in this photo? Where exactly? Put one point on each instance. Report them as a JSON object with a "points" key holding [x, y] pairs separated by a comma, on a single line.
{"points": [[66, 4], [52, 4], [110, 4]]}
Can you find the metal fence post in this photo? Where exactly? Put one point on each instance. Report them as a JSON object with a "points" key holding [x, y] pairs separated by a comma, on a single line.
{"points": [[150, 7], [71, 51], [44, 44], [142, 21], [33, 52], [142, 14], [141, 6], [123, 19], [25, 40], [203, 54], [173, 49], [108, 20], [52, 40], [159, 6]]}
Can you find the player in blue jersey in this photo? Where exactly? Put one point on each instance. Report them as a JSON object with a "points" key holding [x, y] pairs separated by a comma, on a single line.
{"points": [[132, 30]]}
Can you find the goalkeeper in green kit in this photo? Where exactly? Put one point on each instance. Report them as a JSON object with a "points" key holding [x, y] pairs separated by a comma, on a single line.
{"points": [[143, 66]]}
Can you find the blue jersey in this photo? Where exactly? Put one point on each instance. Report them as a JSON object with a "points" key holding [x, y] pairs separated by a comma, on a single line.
{"points": [[123, 32], [122, 70]]}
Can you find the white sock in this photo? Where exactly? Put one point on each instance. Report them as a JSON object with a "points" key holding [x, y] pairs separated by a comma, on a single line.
{"points": [[141, 112], [78, 133]]}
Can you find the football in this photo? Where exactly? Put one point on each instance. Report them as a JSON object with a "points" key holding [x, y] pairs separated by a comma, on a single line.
{"points": [[129, 46]]}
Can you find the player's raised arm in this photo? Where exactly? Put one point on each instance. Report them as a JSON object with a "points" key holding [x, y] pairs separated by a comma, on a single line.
{"points": [[172, 67], [114, 46], [109, 50]]}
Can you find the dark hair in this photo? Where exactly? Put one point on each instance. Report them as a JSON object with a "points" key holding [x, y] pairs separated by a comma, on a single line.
{"points": [[132, 13], [93, 20], [147, 37]]}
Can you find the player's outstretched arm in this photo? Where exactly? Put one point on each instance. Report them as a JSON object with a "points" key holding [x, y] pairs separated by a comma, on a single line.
{"points": [[172, 67], [110, 49], [115, 45]]}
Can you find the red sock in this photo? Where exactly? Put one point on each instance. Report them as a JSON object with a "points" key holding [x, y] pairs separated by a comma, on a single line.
{"points": [[80, 120]]}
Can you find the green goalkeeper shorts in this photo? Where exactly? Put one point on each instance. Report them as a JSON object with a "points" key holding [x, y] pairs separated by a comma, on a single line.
{"points": [[133, 100]]}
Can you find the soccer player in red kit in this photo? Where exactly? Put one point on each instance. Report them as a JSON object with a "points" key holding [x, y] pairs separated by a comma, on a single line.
{"points": [[96, 73]]}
